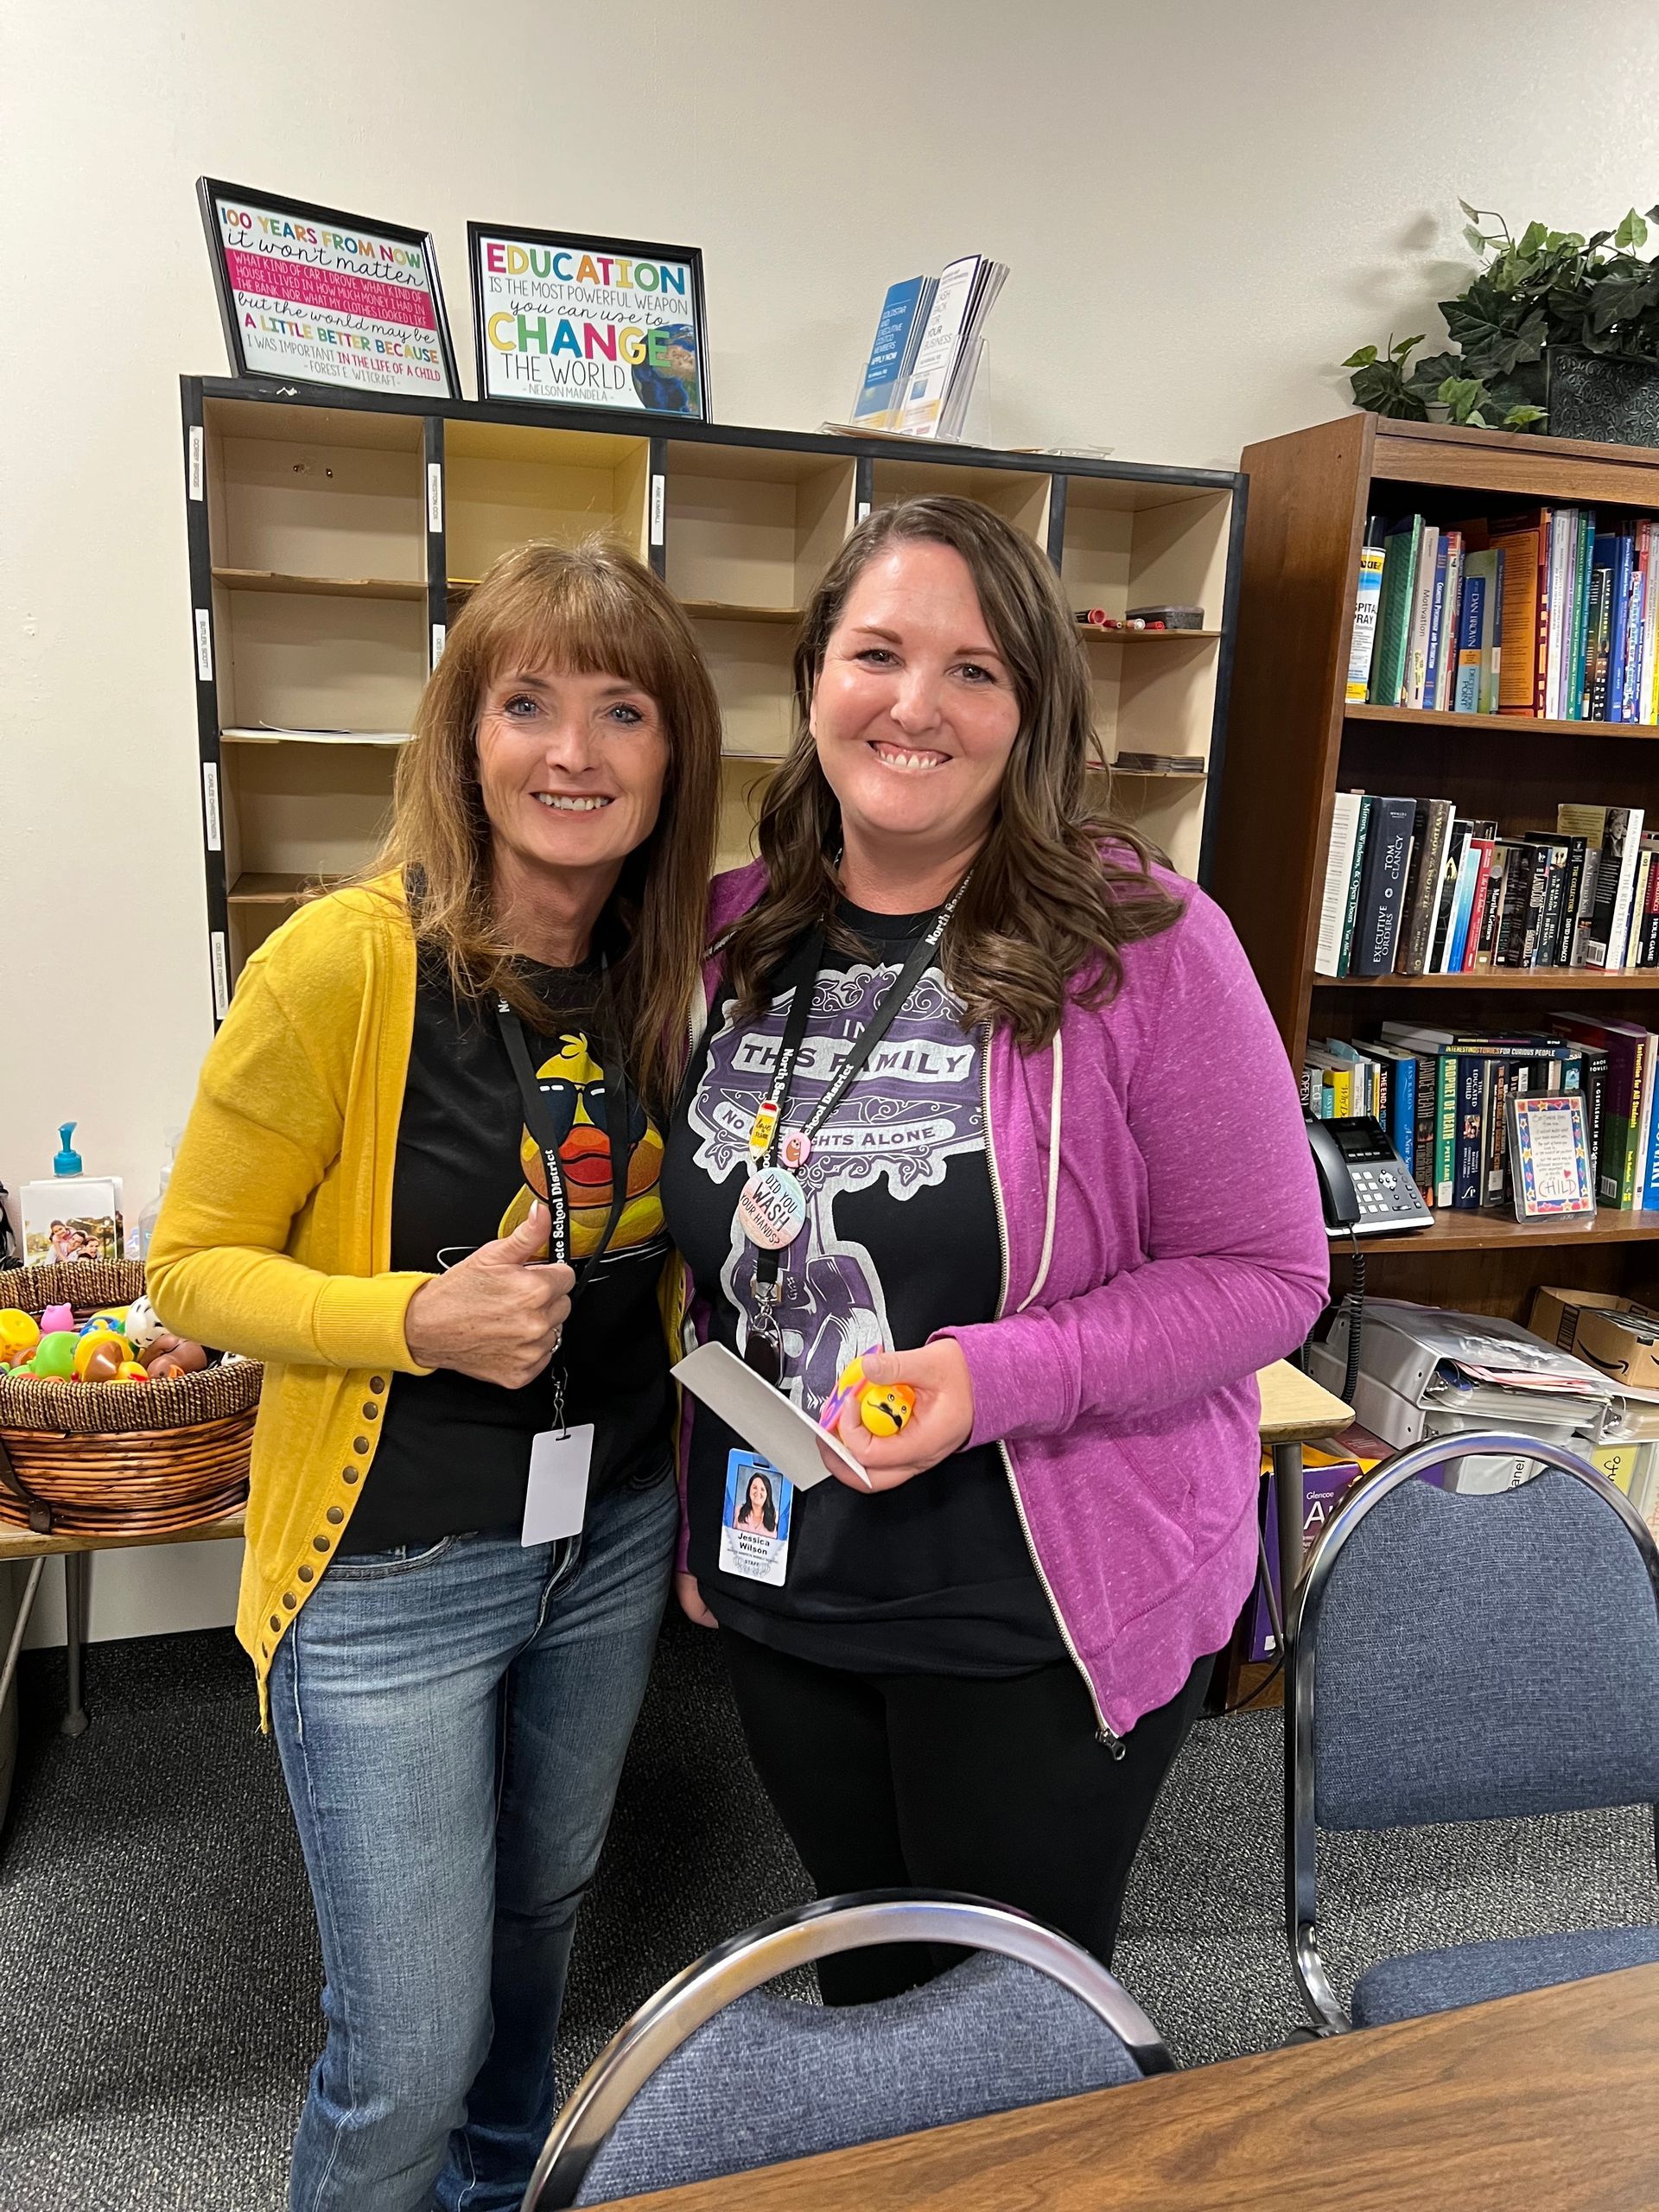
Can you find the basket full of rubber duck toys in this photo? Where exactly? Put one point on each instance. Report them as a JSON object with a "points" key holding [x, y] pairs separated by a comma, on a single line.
{"points": [[110, 1423]]}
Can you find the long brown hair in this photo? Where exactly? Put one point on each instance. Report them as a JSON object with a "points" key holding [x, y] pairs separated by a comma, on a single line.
{"points": [[593, 610], [1060, 884]]}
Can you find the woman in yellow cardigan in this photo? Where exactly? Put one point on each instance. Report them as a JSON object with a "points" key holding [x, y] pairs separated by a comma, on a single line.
{"points": [[420, 1180]]}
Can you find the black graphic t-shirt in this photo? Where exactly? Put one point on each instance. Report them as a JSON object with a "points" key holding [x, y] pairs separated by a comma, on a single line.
{"points": [[454, 1453], [933, 1577]]}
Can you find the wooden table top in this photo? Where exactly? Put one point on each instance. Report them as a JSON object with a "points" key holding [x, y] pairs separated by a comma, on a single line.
{"points": [[23, 1543], [1295, 1410], [1543, 2102]]}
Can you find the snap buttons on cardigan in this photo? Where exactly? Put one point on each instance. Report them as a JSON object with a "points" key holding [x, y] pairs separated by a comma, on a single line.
{"points": [[276, 1623], [350, 1474], [360, 1444], [371, 1411], [320, 1543], [307, 1573], [335, 1515], [377, 1383], [289, 1600]]}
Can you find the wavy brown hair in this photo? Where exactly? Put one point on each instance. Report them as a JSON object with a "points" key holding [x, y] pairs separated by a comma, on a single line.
{"points": [[593, 610], [1060, 885]]}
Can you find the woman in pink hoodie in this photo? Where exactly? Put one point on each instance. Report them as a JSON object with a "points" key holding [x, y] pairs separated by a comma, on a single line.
{"points": [[990, 1097]]}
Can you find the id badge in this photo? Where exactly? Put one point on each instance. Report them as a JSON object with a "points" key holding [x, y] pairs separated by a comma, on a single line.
{"points": [[556, 1503], [755, 1519]]}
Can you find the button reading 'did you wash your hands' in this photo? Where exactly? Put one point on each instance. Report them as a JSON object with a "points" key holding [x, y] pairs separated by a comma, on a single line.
{"points": [[773, 1208]]}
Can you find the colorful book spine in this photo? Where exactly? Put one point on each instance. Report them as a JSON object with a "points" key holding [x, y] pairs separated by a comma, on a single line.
{"points": [[1470, 624], [1350, 911], [1394, 612], [1367, 597]]}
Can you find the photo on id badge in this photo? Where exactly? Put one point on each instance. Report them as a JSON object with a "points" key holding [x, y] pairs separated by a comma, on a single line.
{"points": [[754, 1519]]}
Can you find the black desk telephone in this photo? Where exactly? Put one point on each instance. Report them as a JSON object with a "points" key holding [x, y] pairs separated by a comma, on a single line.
{"points": [[1367, 1188]]}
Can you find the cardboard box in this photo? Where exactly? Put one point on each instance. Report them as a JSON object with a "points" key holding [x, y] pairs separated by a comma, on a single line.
{"points": [[1589, 1323]]}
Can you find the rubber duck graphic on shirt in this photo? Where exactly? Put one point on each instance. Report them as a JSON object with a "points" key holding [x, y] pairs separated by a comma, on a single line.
{"points": [[580, 1100]]}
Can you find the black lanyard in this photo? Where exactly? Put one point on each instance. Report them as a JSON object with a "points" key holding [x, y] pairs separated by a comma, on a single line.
{"points": [[539, 1120], [889, 1007]]}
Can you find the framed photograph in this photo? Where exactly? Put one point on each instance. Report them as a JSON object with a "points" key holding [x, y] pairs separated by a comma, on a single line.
{"points": [[1549, 1156], [585, 321], [310, 294]]}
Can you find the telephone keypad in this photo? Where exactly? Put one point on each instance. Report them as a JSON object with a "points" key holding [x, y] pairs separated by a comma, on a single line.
{"points": [[1377, 1189]]}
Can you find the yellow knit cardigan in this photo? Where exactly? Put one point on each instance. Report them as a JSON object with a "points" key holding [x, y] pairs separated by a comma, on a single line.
{"points": [[275, 1237]]}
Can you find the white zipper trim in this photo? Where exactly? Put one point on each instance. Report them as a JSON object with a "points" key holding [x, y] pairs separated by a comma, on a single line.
{"points": [[1104, 1734], [1053, 1175]]}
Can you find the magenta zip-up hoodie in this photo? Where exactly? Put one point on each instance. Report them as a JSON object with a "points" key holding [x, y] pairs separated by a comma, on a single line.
{"points": [[1162, 1240]]}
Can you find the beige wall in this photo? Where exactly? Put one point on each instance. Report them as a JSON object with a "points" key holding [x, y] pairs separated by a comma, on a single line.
{"points": [[1204, 207]]}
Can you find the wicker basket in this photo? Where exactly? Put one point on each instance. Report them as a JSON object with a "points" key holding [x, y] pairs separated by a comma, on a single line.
{"points": [[89, 1459]]}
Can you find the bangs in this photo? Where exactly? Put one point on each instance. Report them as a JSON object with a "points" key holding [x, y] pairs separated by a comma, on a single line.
{"points": [[583, 617]]}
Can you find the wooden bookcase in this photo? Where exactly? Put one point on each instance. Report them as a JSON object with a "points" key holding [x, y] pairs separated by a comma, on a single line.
{"points": [[1293, 743], [333, 535]]}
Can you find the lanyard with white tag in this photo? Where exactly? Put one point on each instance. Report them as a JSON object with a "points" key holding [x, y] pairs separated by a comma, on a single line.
{"points": [[773, 1206], [556, 1502]]}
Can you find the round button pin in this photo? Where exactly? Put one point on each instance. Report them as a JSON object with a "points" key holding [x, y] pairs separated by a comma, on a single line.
{"points": [[773, 1208]]}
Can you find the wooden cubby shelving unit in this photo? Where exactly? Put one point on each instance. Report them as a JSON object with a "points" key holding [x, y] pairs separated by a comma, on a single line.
{"points": [[1293, 743], [333, 535]]}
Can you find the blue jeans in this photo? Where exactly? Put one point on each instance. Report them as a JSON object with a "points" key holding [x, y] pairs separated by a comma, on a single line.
{"points": [[452, 1723]]}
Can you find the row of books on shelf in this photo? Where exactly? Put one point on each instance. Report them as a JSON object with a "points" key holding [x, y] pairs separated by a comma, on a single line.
{"points": [[1412, 887], [1442, 1095], [1553, 612]]}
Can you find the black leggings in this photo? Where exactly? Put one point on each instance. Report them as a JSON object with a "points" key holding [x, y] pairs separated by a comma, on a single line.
{"points": [[936, 1782]]}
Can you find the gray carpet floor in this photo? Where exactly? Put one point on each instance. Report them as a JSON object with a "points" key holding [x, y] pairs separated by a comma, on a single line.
{"points": [[159, 1975]]}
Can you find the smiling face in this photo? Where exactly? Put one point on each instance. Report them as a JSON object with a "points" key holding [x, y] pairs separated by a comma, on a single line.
{"points": [[757, 1494], [914, 713], [571, 768]]}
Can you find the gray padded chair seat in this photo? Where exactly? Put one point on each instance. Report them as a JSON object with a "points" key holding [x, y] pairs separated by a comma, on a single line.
{"points": [[1468, 1974], [794, 2079]]}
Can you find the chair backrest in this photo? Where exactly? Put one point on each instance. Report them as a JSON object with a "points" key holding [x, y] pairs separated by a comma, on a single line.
{"points": [[714, 2074], [1481, 1656], [1459, 1657]]}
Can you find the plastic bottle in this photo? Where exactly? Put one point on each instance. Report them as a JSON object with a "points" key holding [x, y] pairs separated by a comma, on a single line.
{"points": [[72, 1215], [144, 1227]]}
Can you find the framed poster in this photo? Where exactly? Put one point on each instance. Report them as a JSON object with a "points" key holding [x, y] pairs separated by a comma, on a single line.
{"points": [[566, 317], [309, 294]]}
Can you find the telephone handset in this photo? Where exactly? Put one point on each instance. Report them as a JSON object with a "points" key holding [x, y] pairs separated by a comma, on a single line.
{"points": [[1367, 1189]]}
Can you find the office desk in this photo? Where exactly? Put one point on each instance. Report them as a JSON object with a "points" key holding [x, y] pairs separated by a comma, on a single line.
{"points": [[23, 1543], [1542, 2103], [1295, 1410]]}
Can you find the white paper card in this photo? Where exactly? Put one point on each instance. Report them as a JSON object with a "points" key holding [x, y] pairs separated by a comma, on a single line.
{"points": [[789, 1440], [555, 1504]]}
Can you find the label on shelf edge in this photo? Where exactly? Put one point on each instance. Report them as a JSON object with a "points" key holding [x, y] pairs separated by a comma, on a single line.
{"points": [[440, 636], [435, 496], [210, 806], [204, 646], [659, 487], [863, 514], [196, 468], [221, 976]]}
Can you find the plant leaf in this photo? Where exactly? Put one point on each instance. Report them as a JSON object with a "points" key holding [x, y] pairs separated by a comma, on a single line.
{"points": [[1473, 213], [1533, 240], [1362, 360], [1380, 390], [1399, 353], [1461, 397], [1631, 231], [1523, 418]]}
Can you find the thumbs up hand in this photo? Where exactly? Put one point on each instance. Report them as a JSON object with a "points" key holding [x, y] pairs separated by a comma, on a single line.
{"points": [[496, 1315], [942, 1423]]}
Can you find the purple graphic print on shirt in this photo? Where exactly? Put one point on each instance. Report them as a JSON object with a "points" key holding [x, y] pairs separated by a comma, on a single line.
{"points": [[915, 1106]]}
